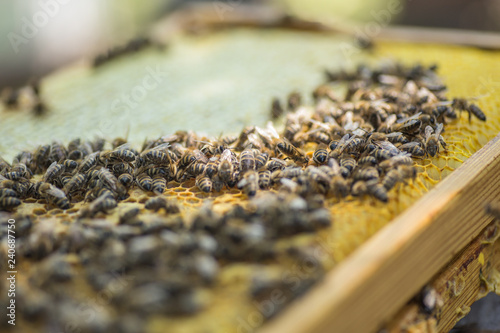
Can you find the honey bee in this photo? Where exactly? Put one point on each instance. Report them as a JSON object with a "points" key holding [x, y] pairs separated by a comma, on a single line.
{"points": [[7, 192], [7, 203], [348, 162], [325, 91], [226, 168], [70, 165], [338, 185], [196, 168], [414, 148], [292, 152], [276, 109], [249, 183], [367, 160], [23, 170], [243, 137], [318, 136], [129, 216], [432, 141], [275, 164], [159, 184], [157, 156], [318, 178], [13, 175], [217, 183], [261, 160], [103, 203], [294, 101], [191, 157], [320, 155], [88, 162], [53, 171], [126, 180], [290, 172], [392, 177], [41, 157], [247, 160], [493, 208], [378, 191], [407, 171], [264, 179], [118, 155], [57, 152], [156, 203], [291, 130], [108, 179], [204, 183], [54, 195], [366, 173], [75, 183], [395, 161], [408, 125], [463, 104], [359, 188], [396, 137], [144, 182], [212, 166], [348, 145]]}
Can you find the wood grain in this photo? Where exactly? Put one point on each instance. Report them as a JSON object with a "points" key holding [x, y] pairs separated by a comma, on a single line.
{"points": [[368, 288], [471, 275]]}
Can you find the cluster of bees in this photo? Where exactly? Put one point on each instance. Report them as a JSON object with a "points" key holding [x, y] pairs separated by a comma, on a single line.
{"points": [[360, 144], [132, 46], [24, 97], [163, 265], [359, 138]]}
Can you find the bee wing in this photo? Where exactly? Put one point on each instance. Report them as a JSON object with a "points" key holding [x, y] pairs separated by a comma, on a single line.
{"points": [[55, 192], [415, 116], [163, 146], [255, 140], [200, 156], [123, 147], [272, 130], [322, 126], [226, 155], [289, 183], [343, 140], [387, 145], [243, 182], [410, 144], [391, 120], [400, 156], [50, 169], [278, 160], [439, 129], [428, 131], [321, 146], [332, 163], [393, 134]]}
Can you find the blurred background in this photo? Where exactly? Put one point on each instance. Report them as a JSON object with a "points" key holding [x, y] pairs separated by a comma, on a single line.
{"points": [[39, 36]]}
